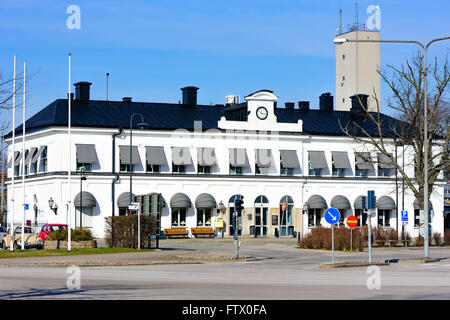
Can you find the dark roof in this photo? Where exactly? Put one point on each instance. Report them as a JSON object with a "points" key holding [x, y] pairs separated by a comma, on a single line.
{"points": [[165, 116]]}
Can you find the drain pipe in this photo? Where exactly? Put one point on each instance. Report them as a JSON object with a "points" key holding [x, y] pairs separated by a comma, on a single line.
{"points": [[114, 180]]}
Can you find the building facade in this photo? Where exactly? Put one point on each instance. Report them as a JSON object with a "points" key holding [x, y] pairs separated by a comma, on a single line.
{"points": [[199, 158]]}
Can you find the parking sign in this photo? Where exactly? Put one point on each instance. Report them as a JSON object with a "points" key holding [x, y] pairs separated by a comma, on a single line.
{"points": [[404, 216]]}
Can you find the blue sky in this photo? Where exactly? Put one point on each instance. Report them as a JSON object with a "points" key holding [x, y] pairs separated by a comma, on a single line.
{"points": [[153, 48]]}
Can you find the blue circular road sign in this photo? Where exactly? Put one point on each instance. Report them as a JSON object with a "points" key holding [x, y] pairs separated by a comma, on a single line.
{"points": [[332, 215]]}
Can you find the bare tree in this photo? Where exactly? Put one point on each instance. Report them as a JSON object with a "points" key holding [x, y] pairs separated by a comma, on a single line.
{"points": [[407, 102]]}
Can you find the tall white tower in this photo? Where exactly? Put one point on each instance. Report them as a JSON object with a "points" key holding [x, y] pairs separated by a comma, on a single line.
{"points": [[357, 66]]}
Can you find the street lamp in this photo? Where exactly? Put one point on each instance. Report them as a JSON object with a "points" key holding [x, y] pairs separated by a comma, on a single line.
{"points": [[425, 129], [82, 177], [52, 205], [141, 125]]}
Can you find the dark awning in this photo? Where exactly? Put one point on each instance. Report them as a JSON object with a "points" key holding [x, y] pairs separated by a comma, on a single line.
{"points": [[180, 200], [263, 158], [30, 155], [124, 199], [385, 203], [125, 155], [181, 156], [16, 153], [205, 200], [316, 202], [340, 202], [86, 153], [18, 158], [87, 198], [363, 160], [156, 156], [317, 159], [416, 205], [238, 157], [38, 154], [384, 161], [340, 159], [206, 156], [289, 159]]}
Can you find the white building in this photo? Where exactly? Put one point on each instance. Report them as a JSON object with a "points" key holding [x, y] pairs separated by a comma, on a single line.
{"points": [[199, 157]]}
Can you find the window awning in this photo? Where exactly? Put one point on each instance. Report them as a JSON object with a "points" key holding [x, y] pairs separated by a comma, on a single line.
{"points": [[16, 153], [38, 154], [263, 158], [317, 159], [181, 156], [180, 200], [156, 156], [30, 155], [340, 202], [384, 161], [363, 160], [340, 159], [124, 199], [87, 198], [385, 203], [316, 202], [86, 153], [205, 200], [206, 156], [18, 158], [238, 157], [416, 205], [289, 159], [125, 155]]}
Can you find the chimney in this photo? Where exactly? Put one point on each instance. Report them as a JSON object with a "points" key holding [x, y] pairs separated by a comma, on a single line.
{"points": [[126, 99], [189, 95], [326, 102], [303, 105], [82, 91], [357, 100], [289, 105]]}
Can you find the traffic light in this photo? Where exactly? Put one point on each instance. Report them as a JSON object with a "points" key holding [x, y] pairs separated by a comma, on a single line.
{"points": [[371, 200], [238, 202], [363, 202]]}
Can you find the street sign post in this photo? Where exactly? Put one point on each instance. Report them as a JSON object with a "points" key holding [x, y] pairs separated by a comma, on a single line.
{"points": [[332, 216], [352, 222], [371, 204], [405, 217]]}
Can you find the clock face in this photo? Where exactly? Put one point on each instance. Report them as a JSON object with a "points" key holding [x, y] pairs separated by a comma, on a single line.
{"points": [[262, 113]]}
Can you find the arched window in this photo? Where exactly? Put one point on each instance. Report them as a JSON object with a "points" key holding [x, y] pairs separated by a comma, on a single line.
{"points": [[286, 220], [261, 213]]}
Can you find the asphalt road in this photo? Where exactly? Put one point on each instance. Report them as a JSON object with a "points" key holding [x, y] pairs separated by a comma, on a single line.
{"points": [[280, 271]]}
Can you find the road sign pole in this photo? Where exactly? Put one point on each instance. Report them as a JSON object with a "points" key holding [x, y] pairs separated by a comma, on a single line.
{"points": [[332, 243], [351, 240], [369, 229]]}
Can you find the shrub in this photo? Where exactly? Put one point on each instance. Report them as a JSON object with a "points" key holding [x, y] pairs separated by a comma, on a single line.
{"points": [[78, 234], [122, 231], [419, 241], [320, 238], [437, 237]]}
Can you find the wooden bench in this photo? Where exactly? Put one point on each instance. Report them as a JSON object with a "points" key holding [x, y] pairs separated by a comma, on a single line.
{"points": [[203, 232], [176, 233], [383, 242]]}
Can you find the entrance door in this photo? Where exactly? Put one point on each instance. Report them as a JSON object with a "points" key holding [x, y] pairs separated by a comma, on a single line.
{"points": [[261, 221], [261, 210], [286, 221]]}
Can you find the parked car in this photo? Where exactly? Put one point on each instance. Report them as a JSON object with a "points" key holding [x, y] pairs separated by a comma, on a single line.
{"points": [[30, 237], [3, 232], [46, 229]]}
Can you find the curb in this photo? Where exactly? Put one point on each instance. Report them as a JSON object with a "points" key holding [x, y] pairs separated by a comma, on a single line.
{"points": [[353, 265]]}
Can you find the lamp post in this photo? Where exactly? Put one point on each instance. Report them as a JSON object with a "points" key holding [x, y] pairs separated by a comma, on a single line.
{"points": [[425, 129], [53, 205], [141, 125], [82, 177]]}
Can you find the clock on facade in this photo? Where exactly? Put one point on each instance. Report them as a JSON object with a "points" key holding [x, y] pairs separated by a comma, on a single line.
{"points": [[262, 113]]}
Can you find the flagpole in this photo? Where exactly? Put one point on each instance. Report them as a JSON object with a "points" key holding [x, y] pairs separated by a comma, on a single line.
{"points": [[69, 244], [23, 156], [11, 244]]}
